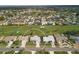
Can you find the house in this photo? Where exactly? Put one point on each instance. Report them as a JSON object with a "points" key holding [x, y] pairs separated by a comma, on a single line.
{"points": [[61, 40], [10, 38], [36, 39], [49, 38], [24, 40], [43, 21]]}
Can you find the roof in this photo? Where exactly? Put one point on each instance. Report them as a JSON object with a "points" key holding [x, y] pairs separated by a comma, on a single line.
{"points": [[35, 38], [49, 38]]}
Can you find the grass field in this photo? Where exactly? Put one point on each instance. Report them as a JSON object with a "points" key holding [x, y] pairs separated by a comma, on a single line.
{"points": [[36, 30]]}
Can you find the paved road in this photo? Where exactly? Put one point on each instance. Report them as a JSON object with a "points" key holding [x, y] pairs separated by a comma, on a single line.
{"points": [[52, 49], [62, 49], [9, 49], [38, 49]]}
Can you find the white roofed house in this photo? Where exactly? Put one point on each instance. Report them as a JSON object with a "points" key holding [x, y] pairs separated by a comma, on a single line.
{"points": [[24, 40], [50, 20], [26, 21], [31, 21], [49, 38], [18, 21], [36, 39], [37, 21], [43, 21]]}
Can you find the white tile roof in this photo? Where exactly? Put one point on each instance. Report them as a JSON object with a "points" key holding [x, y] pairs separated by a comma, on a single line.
{"points": [[49, 38], [35, 38]]}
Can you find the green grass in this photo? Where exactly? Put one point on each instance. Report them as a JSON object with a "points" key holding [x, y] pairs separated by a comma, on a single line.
{"points": [[16, 44], [3, 44], [1, 52], [9, 52], [30, 44], [75, 52], [42, 52], [35, 29], [45, 45], [60, 52], [24, 52]]}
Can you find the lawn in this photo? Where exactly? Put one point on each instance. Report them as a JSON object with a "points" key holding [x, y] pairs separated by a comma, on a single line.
{"points": [[30, 44], [9, 52], [75, 52], [45, 45], [16, 44], [3, 44], [42, 52], [36, 30], [24, 52], [60, 52]]}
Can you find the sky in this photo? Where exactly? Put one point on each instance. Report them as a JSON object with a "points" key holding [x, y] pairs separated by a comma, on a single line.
{"points": [[39, 2]]}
